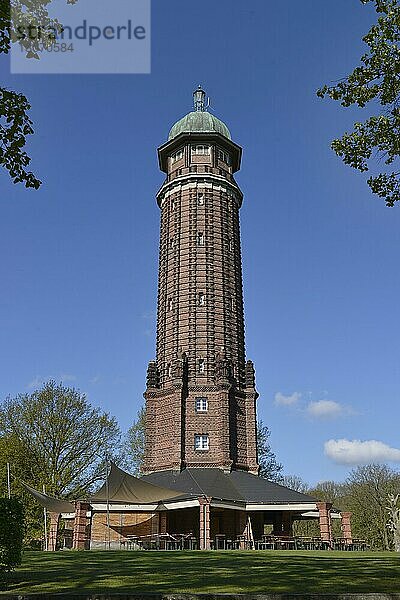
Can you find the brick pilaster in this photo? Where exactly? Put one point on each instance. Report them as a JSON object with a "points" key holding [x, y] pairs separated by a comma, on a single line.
{"points": [[346, 527], [204, 524], [53, 531], [325, 524], [80, 537]]}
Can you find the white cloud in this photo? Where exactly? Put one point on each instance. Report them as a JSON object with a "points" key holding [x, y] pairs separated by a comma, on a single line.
{"points": [[357, 452], [325, 409], [65, 377], [282, 400]]}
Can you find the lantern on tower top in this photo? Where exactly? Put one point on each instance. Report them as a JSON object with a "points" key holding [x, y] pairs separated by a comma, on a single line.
{"points": [[199, 97]]}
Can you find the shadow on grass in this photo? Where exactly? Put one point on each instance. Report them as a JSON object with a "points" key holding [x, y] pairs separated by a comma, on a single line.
{"points": [[208, 572]]}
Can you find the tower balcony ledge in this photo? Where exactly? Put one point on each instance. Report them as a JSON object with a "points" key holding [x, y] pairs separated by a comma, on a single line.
{"points": [[197, 178]]}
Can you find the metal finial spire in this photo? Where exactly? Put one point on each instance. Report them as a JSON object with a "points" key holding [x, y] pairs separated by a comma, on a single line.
{"points": [[199, 97]]}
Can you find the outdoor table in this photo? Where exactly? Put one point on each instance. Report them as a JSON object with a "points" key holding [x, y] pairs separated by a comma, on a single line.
{"points": [[286, 543], [132, 540], [220, 541], [340, 544], [267, 542], [304, 543], [190, 542], [320, 544]]}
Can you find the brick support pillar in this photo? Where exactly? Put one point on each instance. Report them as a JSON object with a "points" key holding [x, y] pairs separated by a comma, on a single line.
{"points": [[325, 524], [53, 531], [346, 527], [204, 523], [163, 522], [81, 522]]}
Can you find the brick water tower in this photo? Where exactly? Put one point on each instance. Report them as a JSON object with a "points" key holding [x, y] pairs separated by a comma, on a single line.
{"points": [[200, 396]]}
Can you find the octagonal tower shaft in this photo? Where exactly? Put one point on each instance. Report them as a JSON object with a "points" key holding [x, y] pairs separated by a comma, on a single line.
{"points": [[200, 397]]}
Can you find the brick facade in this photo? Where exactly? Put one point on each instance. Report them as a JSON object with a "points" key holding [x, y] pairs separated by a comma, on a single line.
{"points": [[200, 321], [121, 524]]}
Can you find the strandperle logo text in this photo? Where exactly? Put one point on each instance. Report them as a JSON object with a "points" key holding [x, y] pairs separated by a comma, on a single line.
{"points": [[84, 31]]}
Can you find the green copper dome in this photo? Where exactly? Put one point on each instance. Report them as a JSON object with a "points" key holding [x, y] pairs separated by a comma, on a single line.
{"points": [[199, 121]]}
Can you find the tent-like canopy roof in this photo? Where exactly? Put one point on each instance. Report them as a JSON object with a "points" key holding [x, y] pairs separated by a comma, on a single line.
{"points": [[127, 489], [51, 504], [123, 488]]}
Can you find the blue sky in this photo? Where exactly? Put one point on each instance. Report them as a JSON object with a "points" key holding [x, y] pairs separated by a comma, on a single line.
{"points": [[320, 253]]}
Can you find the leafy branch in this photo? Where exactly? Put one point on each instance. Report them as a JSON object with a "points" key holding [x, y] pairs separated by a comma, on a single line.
{"points": [[376, 79]]}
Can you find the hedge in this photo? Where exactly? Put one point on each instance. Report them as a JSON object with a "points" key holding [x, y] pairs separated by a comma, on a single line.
{"points": [[11, 534]]}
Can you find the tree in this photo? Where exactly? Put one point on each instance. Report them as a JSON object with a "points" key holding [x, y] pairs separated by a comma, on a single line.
{"points": [[368, 489], [11, 535], [295, 483], [270, 468], [377, 79], [23, 468], [15, 123], [329, 491], [394, 519], [135, 442], [53, 437]]}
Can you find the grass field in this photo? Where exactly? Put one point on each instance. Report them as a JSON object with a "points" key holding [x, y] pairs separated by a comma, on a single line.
{"points": [[223, 572]]}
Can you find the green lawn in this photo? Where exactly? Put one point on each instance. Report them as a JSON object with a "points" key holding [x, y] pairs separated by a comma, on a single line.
{"points": [[223, 572]]}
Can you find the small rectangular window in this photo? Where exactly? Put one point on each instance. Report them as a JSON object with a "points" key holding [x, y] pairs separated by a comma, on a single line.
{"points": [[201, 404], [200, 239], [170, 304], [177, 156], [202, 299], [202, 366], [201, 442], [201, 150], [224, 156], [200, 199], [169, 370]]}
